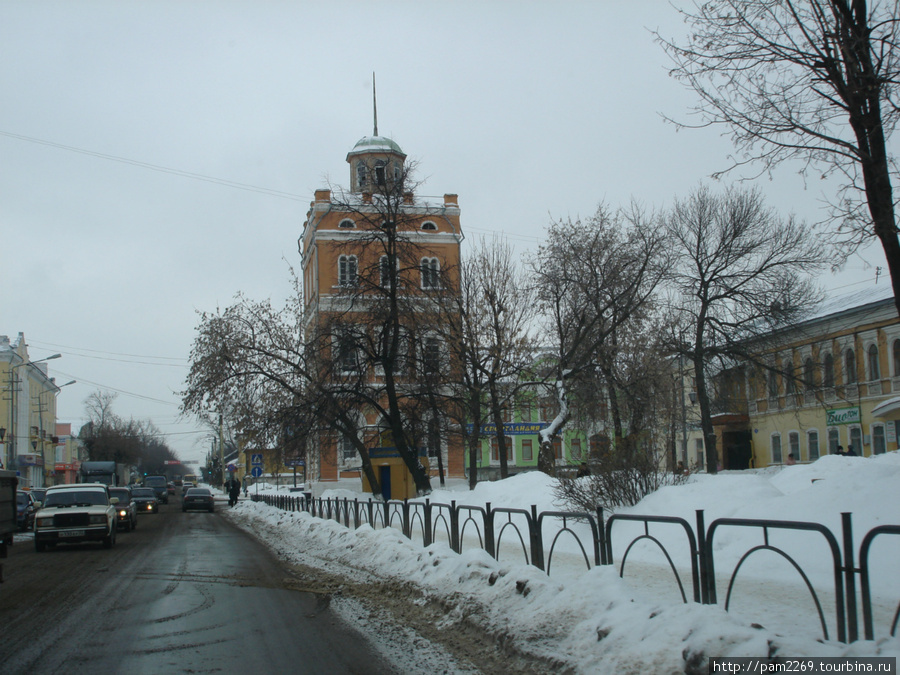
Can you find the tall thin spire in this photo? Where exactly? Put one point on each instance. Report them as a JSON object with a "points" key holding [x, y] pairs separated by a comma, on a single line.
{"points": [[374, 103]]}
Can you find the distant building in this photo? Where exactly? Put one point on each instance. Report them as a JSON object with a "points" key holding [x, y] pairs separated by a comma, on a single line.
{"points": [[832, 380], [27, 413]]}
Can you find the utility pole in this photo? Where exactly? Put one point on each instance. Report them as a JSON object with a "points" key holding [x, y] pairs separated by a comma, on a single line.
{"points": [[221, 453]]}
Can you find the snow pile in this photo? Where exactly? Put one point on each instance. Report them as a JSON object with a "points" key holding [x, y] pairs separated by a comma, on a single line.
{"points": [[594, 621]]}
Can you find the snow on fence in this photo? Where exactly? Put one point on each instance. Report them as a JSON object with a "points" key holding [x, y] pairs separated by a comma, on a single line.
{"points": [[526, 533]]}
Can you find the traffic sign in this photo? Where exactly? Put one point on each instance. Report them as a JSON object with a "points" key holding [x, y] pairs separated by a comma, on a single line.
{"points": [[256, 471], [256, 459]]}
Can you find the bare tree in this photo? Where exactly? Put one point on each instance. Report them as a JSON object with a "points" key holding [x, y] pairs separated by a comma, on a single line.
{"points": [[591, 277], [487, 326], [738, 271], [249, 362], [812, 80]]}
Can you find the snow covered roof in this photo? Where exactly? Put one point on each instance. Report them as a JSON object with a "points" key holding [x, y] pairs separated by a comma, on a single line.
{"points": [[375, 144]]}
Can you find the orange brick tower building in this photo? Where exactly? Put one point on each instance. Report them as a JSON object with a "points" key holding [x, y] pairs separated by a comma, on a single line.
{"points": [[340, 254]]}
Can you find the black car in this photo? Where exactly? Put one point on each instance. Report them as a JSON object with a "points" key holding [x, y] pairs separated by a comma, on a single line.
{"points": [[25, 510], [145, 500], [126, 509], [198, 498]]}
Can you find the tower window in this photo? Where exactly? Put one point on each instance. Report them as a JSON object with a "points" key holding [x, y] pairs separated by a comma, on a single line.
{"points": [[361, 175], [430, 268], [379, 172], [346, 223], [428, 225], [347, 270]]}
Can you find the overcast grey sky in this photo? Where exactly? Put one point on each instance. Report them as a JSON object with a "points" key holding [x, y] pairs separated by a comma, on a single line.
{"points": [[528, 110]]}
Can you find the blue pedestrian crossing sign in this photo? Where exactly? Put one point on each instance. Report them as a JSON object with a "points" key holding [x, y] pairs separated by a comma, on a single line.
{"points": [[256, 471], [256, 459]]}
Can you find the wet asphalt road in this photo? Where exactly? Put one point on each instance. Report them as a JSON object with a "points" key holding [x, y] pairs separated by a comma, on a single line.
{"points": [[184, 592]]}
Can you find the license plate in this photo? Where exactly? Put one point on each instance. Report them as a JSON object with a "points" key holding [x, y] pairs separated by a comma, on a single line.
{"points": [[72, 533]]}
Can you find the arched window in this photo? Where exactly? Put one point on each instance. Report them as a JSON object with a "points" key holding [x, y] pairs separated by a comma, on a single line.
{"points": [[430, 268], [874, 371], [379, 172], [346, 448], [773, 384], [776, 448], [428, 225], [812, 445], [790, 379], [850, 366], [828, 370], [794, 445], [878, 445], [431, 355], [361, 175], [834, 439], [809, 374], [348, 268], [385, 268], [896, 350], [346, 223]]}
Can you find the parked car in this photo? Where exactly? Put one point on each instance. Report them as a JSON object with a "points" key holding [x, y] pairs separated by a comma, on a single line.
{"points": [[145, 500], [25, 509], [198, 498], [170, 488], [76, 513], [126, 510]]}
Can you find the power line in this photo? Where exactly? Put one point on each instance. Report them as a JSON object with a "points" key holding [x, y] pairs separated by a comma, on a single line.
{"points": [[161, 169], [97, 351]]}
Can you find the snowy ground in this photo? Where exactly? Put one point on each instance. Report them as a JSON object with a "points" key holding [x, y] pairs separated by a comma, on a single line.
{"points": [[593, 621]]}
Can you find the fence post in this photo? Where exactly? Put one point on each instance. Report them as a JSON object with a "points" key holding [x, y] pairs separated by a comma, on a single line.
{"points": [[428, 541], [537, 542], [387, 512], [454, 526], [489, 543], [849, 577], [406, 531], [707, 568], [601, 538]]}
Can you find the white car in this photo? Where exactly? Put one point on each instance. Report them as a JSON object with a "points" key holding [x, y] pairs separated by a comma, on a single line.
{"points": [[76, 513]]}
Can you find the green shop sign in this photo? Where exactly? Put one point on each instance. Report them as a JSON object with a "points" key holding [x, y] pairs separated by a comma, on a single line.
{"points": [[843, 416]]}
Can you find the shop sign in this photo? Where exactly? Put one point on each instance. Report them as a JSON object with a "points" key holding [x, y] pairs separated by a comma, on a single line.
{"points": [[511, 428], [30, 460], [842, 416]]}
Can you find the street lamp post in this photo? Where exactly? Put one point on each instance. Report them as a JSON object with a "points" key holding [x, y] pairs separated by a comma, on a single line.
{"points": [[42, 435]]}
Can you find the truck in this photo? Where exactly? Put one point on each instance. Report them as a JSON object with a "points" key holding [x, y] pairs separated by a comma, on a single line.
{"points": [[160, 485], [8, 524], [99, 472]]}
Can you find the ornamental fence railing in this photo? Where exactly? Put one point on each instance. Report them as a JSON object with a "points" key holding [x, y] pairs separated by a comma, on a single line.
{"points": [[538, 535]]}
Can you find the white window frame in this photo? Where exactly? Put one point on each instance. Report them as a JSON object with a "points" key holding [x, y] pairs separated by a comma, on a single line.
{"points": [[872, 428], [430, 270], [348, 271], [344, 226], [780, 458], [812, 457], [837, 439], [429, 225], [794, 444]]}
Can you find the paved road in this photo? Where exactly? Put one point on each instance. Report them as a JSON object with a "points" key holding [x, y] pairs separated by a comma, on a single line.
{"points": [[185, 592]]}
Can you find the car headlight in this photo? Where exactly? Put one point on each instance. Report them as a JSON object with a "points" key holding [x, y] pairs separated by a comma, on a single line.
{"points": [[123, 513], [45, 522], [98, 520]]}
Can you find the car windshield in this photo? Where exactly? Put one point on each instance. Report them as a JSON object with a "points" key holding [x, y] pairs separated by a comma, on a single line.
{"points": [[76, 497], [124, 496], [143, 492], [198, 492], [154, 481], [21, 499]]}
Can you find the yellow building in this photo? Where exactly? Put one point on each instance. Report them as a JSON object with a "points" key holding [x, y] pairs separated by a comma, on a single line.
{"points": [[835, 381], [27, 414], [828, 384], [341, 252]]}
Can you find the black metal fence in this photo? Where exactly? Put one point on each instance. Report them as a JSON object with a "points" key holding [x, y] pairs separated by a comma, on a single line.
{"points": [[538, 535]]}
